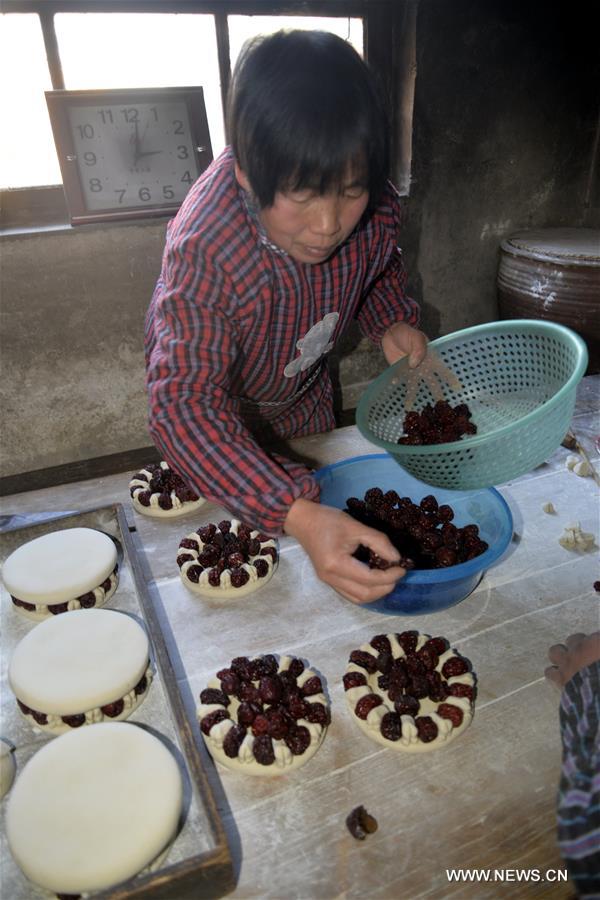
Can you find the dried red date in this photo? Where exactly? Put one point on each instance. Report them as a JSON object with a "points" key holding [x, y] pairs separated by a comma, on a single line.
{"points": [[365, 704], [263, 750], [406, 705], [74, 721], [270, 689], [214, 695], [317, 713], [247, 712], [354, 679], [438, 644], [112, 710], [279, 723], [312, 686], [297, 706], [233, 740], [364, 659], [381, 643], [359, 823], [391, 726], [408, 640], [454, 666], [428, 657], [242, 667], [230, 683], [452, 712], [260, 725], [461, 690], [427, 729], [207, 722], [298, 739]]}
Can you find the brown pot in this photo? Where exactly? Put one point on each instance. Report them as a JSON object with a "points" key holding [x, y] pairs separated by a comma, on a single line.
{"points": [[554, 274]]}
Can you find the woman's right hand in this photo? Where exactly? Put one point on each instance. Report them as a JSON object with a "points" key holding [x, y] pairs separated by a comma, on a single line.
{"points": [[330, 537]]}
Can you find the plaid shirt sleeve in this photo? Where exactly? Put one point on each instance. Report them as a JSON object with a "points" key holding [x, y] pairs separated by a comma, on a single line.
{"points": [[579, 791], [194, 420], [386, 301]]}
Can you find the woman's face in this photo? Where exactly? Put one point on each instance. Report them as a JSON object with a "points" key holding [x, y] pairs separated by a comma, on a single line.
{"points": [[311, 226]]}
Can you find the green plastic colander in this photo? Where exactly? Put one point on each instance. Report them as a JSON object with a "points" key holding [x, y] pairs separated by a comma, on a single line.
{"points": [[519, 378]]}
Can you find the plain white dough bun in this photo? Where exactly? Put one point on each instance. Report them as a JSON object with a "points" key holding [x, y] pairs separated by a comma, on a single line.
{"points": [[75, 663], [93, 808], [59, 566]]}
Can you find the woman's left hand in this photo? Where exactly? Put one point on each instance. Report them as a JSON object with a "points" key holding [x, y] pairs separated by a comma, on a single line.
{"points": [[404, 340]]}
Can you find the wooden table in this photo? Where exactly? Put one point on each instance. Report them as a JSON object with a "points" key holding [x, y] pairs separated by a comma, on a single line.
{"points": [[488, 800]]}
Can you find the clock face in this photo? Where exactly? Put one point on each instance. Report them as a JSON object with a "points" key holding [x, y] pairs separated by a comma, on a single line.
{"points": [[134, 155]]}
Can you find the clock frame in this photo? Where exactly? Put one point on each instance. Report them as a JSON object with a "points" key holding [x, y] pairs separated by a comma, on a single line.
{"points": [[132, 182]]}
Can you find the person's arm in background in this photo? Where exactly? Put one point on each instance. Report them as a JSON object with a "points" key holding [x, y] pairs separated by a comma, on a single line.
{"points": [[388, 316], [576, 669]]}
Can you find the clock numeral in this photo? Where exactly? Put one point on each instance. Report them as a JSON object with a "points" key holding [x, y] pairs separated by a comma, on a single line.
{"points": [[89, 158], [121, 192], [95, 185], [187, 178], [106, 116], [131, 114], [178, 127], [168, 192], [144, 194], [85, 131], [154, 112], [182, 152]]}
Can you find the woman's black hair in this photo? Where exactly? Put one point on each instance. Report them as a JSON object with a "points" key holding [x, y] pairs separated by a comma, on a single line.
{"points": [[304, 112]]}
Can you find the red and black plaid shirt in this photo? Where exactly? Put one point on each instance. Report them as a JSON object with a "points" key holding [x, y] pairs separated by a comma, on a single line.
{"points": [[225, 318]]}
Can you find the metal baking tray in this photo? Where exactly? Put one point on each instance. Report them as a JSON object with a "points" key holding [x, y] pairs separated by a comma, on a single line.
{"points": [[199, 862]]}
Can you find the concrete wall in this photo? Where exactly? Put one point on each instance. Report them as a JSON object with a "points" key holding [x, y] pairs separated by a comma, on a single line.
{"points": [[505, 115], [72, 364], [506, 112]]}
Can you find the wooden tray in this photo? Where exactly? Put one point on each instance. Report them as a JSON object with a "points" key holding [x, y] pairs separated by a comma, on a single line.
{"points": [[199, 862]]}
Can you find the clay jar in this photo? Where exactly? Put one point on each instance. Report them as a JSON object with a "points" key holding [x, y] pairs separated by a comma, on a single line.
{"points": [[554, 274]]}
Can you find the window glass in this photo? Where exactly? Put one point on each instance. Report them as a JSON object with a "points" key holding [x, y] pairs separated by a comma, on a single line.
{"points": [[133, 50], [243, 27], [27, 152]]}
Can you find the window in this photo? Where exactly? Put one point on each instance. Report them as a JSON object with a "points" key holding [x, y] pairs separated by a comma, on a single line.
{"points": [[27, 154], [77, 44], [187, 56]]}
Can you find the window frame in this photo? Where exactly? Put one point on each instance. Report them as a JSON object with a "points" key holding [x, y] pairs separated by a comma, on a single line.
{"points": [[386, 24]]}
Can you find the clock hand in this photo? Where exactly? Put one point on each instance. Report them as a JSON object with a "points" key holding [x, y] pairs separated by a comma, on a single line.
{"points": [[136, 143], [149, 153]]}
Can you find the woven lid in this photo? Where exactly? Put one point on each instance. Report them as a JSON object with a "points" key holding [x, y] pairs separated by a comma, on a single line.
{"points": [[571, 246]]}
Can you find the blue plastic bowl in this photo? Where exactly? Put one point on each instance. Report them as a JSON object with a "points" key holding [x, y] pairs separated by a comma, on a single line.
{"points": [[423, 591]]}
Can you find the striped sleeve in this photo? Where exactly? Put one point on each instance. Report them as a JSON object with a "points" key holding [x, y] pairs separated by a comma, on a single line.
{"points": [[579, 790], [195, 422], [387, 301]]}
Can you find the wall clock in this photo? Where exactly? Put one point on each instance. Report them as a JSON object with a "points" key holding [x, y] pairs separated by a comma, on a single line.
{"points": [[128, 154]]}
